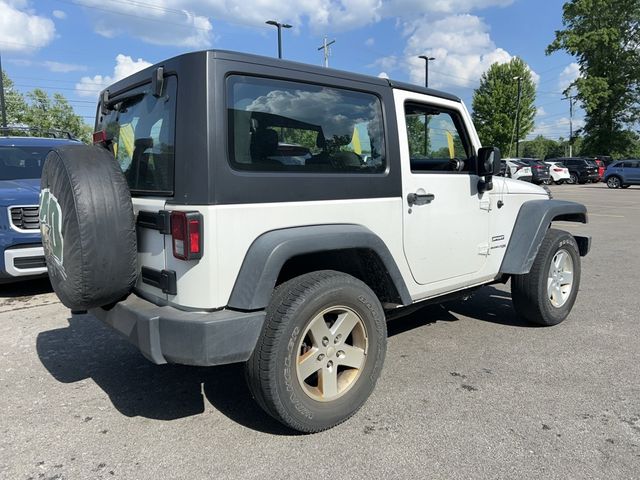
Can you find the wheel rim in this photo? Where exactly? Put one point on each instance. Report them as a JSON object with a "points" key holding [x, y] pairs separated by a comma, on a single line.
{"points": [[613, 182], [560, 280], [573, 178], [331, 353]]}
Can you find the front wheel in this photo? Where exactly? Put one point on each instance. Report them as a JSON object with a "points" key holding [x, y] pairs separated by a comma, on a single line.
{"points": [[545, 295], [321, 351], [573, 179]]}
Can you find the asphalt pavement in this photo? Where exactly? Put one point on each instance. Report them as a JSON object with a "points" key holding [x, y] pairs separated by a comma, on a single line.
{"points": [[468, 390]]}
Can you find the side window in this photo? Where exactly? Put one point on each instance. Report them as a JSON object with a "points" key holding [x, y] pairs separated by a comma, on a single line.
{"points": [[629, 164], [277, 125], [437, 140]]}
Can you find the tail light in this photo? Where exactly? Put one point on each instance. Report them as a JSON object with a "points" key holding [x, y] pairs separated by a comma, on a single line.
{"points": [[558, 169], [186, 233]]}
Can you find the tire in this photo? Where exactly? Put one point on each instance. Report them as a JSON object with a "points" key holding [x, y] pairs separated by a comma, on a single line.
{"points": [[533, 297], [274, 371], [547, 181], [88, 227], [559, 182], [614, 182], [573, 179]]}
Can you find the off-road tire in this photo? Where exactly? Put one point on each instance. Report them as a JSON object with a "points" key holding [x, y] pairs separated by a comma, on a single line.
{"points": [[529, 291], [88, 227], [271, 370]]}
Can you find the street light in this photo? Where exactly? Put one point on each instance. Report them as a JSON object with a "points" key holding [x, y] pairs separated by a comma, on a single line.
{"points": [[426, 68], [280, 26], [519, 79]]}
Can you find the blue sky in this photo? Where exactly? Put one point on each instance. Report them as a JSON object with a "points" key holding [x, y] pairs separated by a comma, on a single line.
{"points": [[77, 47]]}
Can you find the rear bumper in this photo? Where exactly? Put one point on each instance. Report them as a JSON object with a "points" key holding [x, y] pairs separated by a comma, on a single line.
{"points": [[168, 335]]}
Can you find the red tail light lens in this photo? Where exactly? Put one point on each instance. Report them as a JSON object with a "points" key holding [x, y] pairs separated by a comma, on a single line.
{"points": [[100, 137], [558, 169], [186, 233]]}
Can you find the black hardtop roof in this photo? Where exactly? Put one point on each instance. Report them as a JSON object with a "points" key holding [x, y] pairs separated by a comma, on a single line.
{"points": [[278, 63]]}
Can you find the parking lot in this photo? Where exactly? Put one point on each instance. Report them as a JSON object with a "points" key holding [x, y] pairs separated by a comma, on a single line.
{"points": [[468, 390]]}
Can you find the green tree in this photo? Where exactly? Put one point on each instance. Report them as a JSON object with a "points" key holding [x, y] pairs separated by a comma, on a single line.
{"points": [[495, 104], [14, 102], [604, 36], [46, 113]]}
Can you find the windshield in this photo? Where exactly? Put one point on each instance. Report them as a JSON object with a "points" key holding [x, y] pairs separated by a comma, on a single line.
{"points": [[17, 163]]}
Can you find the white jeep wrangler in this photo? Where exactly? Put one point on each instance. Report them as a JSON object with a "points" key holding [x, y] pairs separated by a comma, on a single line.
{"points": [[236, 208]]}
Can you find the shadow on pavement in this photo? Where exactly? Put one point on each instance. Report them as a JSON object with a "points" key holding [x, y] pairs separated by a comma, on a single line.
{"points": [[87, 349], [25, 288]]}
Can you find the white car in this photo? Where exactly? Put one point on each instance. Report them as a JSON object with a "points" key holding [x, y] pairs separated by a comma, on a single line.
{"points": [[518, 170], [559, 173]]}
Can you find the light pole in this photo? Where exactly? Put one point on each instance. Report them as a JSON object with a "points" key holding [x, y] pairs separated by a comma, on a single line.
{"points": [[426, 68], [280, 26], [570, 98], [2, 104], [518, 116]]}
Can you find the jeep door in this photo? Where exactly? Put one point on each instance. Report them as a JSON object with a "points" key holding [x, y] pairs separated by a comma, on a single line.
{"points": [[445, 218]]}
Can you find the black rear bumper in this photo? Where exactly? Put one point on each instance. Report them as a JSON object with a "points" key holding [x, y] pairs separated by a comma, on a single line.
{"points": [[168, 335]]}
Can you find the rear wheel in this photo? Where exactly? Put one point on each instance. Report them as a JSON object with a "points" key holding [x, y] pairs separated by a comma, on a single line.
{"points": [[320, 352], [545, 295], [614, 182]]}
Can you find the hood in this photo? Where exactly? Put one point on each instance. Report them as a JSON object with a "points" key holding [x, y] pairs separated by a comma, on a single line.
{"points": [[19, 192], [512, 186]]}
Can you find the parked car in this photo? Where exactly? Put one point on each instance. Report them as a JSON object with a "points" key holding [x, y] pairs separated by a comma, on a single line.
{"points": [[233, 256], [518, 170], [606, 159], [601, 168], [21, 161], [580, 169], [539, 170], [623, 174], [558, 172]]}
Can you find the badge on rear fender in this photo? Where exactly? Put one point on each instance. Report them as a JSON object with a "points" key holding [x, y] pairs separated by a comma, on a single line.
{"points": [[51, 228]]}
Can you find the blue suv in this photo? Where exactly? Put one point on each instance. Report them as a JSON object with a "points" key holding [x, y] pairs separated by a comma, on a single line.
{"points": [[623, 174], [21, 162]]}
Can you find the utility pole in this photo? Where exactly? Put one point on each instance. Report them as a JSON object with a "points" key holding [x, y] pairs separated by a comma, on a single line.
{"points": [[2, 104], [280, 26], [518, 116], [571, 100], [426, 68], [327, 51]]}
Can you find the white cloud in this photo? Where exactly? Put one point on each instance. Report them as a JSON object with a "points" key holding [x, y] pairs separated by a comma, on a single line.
{"points": [[540, 112], [63, 67], [383, 75], [161, 22], [369, 42], [22, 30], [570, 73], [461, 45], [59, 14], [125, 66], [556, 128]]}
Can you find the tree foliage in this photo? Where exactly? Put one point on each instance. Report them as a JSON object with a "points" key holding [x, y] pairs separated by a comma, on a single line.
{"points": [[495, 104], [15, 105], [604, 36], [541, 147], [39, 111]]}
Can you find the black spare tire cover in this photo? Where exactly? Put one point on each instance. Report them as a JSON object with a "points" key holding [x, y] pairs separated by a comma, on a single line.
{"points": [[88, 227]]}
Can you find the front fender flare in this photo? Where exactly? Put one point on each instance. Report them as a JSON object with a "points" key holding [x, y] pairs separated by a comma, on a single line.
{"points": [[531, 225]]}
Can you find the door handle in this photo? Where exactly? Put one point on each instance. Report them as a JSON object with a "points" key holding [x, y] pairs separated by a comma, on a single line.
{"points": [[420, 198]]}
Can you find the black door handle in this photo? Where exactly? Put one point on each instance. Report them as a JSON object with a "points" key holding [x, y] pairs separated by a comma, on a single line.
{"points": [[420, 198]]}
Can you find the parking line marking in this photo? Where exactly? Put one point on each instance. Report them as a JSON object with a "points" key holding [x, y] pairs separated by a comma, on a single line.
{"points": [[605, 215]]}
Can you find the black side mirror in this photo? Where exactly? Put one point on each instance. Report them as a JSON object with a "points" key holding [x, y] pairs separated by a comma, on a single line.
{"points": [[487, 165]]}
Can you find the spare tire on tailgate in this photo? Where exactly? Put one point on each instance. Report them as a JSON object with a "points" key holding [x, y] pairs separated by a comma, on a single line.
{"points": [[88, 227]]}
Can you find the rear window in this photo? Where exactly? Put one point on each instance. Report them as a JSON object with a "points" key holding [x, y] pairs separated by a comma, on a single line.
{"points": [[17, 163], [277, 125], [142, 127]]}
